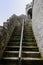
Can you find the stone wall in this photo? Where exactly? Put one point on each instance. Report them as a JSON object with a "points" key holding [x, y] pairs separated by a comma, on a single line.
{"points": [[8, 28], [37, 23]]}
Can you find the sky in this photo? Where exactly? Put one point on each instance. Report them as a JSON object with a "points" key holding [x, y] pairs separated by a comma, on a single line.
{"points": [[10, 7]]}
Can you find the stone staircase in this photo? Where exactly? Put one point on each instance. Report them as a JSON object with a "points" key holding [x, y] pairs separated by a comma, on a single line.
{"points": [[30, 51]]}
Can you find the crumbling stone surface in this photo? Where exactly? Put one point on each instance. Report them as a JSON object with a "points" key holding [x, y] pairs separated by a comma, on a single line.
{"points": [[37, 23]]}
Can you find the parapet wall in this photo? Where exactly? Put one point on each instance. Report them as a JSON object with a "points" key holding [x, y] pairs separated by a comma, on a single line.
{"points": [[37, 23], [6, 32]]}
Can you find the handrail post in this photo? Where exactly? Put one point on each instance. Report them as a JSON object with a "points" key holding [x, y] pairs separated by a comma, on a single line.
{"points": [[21, 39]]}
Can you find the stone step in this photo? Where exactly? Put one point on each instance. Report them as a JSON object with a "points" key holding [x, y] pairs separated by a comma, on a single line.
{"points": [[24, 48], [25, 61], [27, 28], [11, 53], [24, 37], [16, 34], [24, 43], [10, 58], [9, 62], [29, 40], [17, 40], [32, 58], [32, 37], [28, 32], [16, 58], [24, 54], [31, 54], [24, 40], [13, 37], [28, 36]]}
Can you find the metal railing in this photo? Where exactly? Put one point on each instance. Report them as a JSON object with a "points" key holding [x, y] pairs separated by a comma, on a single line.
{"points": [[21, 39]]}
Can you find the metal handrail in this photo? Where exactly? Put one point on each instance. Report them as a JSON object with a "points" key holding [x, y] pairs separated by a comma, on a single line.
{"points": [[21, 39]]}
